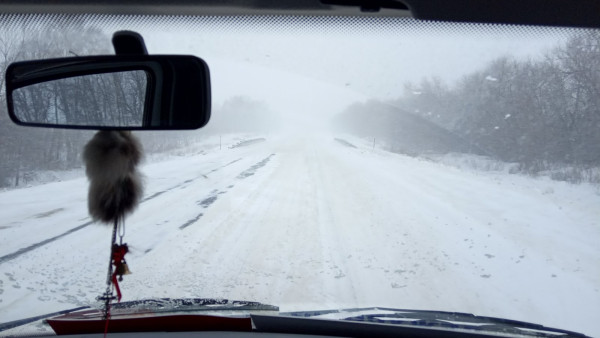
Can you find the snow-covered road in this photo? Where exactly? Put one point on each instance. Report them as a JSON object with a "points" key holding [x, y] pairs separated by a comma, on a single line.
{"points": [[308, 223]]}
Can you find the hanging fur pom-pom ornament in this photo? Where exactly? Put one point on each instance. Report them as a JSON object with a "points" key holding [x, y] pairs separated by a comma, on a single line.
{"points": [[111, 158]]}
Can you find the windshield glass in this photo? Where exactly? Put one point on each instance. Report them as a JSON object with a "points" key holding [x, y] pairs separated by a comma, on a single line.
{"points": [[348, 162]]}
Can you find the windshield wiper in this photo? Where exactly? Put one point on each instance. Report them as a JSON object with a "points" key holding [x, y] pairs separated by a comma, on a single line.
{"points": [[158, 307], [388, 322], [357, 322], [162, 305], [21, 322]]}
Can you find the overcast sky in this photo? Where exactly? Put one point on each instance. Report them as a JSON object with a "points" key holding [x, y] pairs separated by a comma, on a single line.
{"points": [[298, 68]]}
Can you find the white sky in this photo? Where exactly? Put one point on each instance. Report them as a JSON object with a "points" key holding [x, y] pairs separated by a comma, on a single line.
{"points": [[304, 69]]}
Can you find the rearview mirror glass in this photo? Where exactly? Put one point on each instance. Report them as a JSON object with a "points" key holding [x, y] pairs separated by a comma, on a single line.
{"points": [[104, 100], [110, 92]]}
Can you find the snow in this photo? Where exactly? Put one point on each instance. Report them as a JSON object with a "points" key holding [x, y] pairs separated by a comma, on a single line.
{"points": [[491, 78], [307, 223]]}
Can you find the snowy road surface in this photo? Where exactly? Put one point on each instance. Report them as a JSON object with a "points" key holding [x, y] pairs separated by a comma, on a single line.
{"points": [[310, 223]]}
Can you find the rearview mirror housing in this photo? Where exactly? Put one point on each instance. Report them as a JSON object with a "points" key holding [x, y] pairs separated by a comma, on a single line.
{"points": [[133, 92]]}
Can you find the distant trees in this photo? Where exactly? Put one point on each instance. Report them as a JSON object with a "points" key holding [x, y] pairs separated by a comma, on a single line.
{"points": [[99, 99], [398, 130], [102, 99], [537, 113], [26, 149], [533, 112], [242, 114]]}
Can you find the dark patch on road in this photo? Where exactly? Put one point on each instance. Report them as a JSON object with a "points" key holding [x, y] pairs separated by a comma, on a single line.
{"points": [[344, 142], [252, 170], [19, 252], [205, 203], [398, 286], [156, 194], [208, 201], [212, 197], [247, 142], [48, 213], [190, 222]]}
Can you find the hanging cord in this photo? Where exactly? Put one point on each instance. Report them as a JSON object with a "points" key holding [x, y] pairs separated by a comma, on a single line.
{"points": [[108, 295], [113, 241], [121, 232]]}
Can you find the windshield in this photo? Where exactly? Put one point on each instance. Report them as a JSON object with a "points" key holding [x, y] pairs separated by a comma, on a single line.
{"points": [[349, 162]]}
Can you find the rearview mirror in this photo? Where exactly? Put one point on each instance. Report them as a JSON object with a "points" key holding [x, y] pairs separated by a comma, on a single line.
{"points": [[110, 92]]}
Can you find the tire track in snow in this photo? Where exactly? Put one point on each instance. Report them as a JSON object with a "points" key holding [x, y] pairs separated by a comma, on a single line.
{"points": [[34, 246], [19, 252], [48, 213], [189, 181], [212, 197], [250, 171], [205, 203], [190, 222]]}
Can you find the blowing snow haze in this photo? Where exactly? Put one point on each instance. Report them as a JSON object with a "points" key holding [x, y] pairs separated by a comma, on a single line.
{"points": [[354, 163]]}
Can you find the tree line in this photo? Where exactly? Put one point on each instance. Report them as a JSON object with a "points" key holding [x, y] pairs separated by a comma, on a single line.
{"points": [[103, 100], [109, 99], [537, 113], [24, 149]]}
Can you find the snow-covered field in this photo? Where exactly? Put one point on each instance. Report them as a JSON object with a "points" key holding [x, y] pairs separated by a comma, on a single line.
{"points": [[310, 223]]}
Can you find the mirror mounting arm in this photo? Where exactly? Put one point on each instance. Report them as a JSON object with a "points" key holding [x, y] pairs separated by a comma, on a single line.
{"points": [[129, 43], [132, 43]]}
